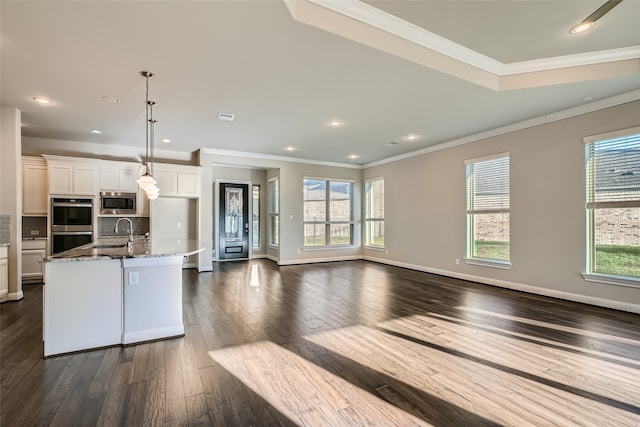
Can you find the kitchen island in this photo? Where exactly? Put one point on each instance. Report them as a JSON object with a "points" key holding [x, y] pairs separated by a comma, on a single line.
{"points": [[108, 293]]}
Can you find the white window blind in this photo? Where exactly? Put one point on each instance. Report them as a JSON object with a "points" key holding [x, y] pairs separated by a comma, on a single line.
{"points": [[613, 173], [488, 206], [488, 186]]}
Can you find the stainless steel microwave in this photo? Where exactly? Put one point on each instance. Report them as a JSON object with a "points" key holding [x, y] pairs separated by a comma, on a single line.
{"points": [[117, 203]]}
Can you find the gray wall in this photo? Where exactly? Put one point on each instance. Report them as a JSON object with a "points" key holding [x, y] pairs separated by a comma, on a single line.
{"points": [[425, 209]]}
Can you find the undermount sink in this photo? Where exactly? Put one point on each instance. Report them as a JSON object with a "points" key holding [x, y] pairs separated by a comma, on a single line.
{"points": [[109, 245]]}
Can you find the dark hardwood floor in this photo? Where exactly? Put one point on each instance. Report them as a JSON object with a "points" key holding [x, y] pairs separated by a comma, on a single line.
{"points": [[335, 344]]}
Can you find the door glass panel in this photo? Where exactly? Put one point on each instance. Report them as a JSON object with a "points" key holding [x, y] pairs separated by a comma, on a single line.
{"points": [[233, 214]]}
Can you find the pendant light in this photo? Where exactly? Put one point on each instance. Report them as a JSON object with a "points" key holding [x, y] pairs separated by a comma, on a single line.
{"points": [[146, 181]]}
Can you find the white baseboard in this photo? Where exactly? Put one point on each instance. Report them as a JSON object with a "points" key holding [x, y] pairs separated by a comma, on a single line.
{"points": [[13, 296], [585, 299], [205, 267], [317, 260]]}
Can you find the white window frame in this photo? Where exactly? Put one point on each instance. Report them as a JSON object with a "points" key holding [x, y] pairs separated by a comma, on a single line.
{"points": [[328, 222], [368, 218], [274, 212], [591, 205], [471, 211], [255, 212]]}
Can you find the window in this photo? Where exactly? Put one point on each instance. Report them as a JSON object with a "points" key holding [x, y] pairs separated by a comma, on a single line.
{"points": [[255, 220], [488, 219], [374, 212], [274, 217], [613, 204], [328, 217]]}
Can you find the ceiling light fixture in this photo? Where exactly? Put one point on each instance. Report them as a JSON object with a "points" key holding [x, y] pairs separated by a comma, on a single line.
{"points": [[146, 181], [411, 137], [588, 22], [111, 99], [353, 156], [165, 140], [96, 132], [335, 122], [227, 117], [42, 100], [290, 148]]}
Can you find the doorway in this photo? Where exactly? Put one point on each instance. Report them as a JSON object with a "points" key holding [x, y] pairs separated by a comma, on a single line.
{"points": [[233, 221]]}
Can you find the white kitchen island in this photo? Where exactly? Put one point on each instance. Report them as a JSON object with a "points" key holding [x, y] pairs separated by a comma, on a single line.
{"points": [[104, 294]]}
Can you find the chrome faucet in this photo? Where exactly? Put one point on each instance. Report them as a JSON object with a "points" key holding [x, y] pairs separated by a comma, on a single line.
{"points": [[130, 240]]}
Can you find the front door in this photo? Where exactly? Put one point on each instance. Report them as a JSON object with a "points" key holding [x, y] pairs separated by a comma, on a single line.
{"points": [[233, 221]]}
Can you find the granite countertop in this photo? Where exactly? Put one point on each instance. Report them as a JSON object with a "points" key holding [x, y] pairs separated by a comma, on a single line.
{"points": [[116, 248]]}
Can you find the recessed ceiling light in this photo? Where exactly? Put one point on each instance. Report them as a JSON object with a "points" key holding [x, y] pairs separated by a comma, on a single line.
{"points": [[588, 22], [165, 140], [335, 122], [96, 131], [290, 148], [411, 137], [353, 156], [111, 99], [226, 117], [42, 100], [582, 27]]}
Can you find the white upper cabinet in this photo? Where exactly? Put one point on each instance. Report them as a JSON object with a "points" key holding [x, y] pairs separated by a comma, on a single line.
{"points": [[72, 176], [177, 180], [34, 186], [120, 177]]}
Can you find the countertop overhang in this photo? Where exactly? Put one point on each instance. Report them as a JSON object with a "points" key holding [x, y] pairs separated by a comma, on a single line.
{"points": [[116, 248]]}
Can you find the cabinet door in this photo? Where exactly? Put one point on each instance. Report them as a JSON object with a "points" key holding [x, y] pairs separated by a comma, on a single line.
{"points": [[188, 184], [4, 277], [60, 179], [34, 190], [108, 179], [127, 180], [83, 180], [32, 268], [167, 182]]}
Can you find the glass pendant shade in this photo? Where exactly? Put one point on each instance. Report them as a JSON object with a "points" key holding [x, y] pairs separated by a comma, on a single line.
{"points": [[146, 181]]}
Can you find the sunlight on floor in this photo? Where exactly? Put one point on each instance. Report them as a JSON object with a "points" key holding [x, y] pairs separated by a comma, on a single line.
{"points": [[433, 364], [305, 393]]}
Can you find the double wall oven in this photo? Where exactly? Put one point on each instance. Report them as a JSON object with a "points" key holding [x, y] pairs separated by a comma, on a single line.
{"points": [[71, 223]]}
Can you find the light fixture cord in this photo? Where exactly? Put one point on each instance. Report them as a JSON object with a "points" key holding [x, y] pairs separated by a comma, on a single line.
{"points": [[146, 160], [151, 141]]}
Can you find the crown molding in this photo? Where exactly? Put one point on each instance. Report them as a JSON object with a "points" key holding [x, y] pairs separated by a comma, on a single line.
{"points": [[392, 25], [382, 20], [247, 154], [537, 121]]}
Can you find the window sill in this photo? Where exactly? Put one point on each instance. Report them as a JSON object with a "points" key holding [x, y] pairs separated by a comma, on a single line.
{"points": [[375, 248], [612, 280], [326, 248], [503, 265]]}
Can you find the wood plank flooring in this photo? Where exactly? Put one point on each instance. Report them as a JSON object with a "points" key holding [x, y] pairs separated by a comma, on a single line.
{"points": [[335, 344]]}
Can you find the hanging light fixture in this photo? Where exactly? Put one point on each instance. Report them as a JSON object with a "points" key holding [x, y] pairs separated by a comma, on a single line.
{"points": [[153, 191], [146, 181]]}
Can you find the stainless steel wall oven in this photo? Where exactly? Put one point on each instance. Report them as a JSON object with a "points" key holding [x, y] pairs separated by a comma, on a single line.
{"points": [[71, 223]]}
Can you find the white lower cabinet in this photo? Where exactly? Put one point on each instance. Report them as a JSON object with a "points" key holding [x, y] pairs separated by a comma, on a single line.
{"points": [[32, 252]]}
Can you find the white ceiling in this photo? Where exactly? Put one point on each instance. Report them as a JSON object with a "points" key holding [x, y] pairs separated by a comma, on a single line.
{"points": [[441, 70]]}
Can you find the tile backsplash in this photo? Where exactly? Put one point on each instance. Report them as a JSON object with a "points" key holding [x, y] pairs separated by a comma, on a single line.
{"points": [[34, 226], [5, 228], [107, 224]]}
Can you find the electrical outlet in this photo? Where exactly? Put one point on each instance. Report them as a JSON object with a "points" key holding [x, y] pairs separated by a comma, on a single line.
{"points": [[179, 225], [457, 261], [134, 278]]}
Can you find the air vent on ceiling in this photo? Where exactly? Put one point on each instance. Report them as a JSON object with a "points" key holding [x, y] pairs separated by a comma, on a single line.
{"points": [[226, 116]]}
